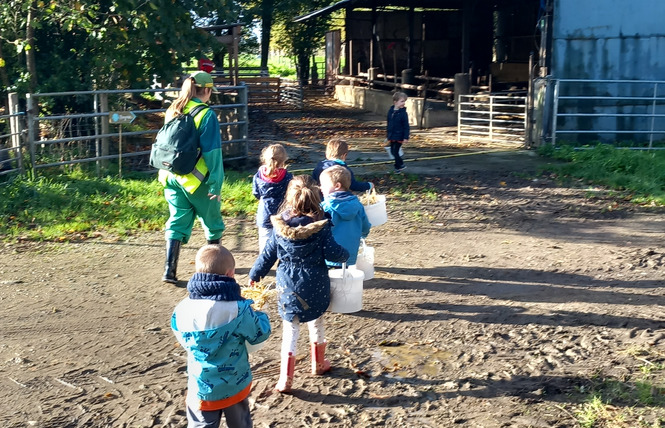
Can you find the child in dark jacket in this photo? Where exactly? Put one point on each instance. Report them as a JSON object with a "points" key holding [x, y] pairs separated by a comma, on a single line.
{"points": [[336, 153], [269, 187], [397, 128], [302, 241], [213, 324], [346, 212]]}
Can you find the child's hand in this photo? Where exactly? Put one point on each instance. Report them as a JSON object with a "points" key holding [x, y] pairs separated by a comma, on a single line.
{"points": [[251, 283], [405, 141]]}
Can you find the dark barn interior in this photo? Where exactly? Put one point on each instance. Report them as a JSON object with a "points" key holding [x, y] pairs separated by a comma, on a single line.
{"points": [[440, 38]]}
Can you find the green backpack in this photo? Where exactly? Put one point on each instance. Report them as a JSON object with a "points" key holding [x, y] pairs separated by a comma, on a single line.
{"points": [[176, 148]]}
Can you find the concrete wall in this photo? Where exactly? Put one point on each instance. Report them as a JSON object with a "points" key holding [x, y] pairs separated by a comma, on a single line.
{"points": [[609, 39], [436, 114]]}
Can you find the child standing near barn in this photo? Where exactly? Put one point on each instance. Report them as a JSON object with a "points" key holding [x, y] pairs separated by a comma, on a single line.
{"points": [[302, 241], [269, 187], [346, 212], [213, 324], [397, 129]]}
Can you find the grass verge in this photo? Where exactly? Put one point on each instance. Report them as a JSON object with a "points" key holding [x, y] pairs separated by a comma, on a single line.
{"points": [[639, 174], [73, 206], [636, 400]]}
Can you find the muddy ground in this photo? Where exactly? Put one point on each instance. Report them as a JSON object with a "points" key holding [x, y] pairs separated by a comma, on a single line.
{"points": [[501, 299]]}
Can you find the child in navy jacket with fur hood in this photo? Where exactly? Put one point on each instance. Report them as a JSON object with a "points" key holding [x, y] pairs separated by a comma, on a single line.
{"points": [[302, 241]]}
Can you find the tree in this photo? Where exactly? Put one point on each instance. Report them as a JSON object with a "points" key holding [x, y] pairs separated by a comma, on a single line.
{"points": [[300, 39], [55, 45]]}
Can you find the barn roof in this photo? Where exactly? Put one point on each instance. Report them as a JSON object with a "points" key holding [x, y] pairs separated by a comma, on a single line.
{"points": [[426, 4]]}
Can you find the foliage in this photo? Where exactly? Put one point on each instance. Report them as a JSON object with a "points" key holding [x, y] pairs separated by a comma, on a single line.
{"points": [[300, 39], [105, 43], [74, 207], [639, 173]]}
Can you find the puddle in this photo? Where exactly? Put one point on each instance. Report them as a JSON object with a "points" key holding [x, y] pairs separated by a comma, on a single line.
{"points": [[423, 359]]}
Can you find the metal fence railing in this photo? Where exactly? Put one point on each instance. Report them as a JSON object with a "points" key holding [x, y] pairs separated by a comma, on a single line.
{"points": [[57, 139], [291, 92], [624, 112], [11, 161], [494, 118]]}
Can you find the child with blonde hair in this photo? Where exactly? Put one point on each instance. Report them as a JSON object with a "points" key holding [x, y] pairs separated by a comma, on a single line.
{"points": [[213, 324], [269, 187], [302, 241], [346, 212], [336, 152], [397, 129]]}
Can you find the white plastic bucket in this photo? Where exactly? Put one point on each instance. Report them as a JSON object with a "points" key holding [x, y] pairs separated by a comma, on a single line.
{"points": [[376, 213], [346, 290], [365, 261], [401, 152]]}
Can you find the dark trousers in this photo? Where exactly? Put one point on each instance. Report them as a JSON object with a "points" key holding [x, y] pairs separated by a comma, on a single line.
{"points": [[237, 416], [394, 150]]}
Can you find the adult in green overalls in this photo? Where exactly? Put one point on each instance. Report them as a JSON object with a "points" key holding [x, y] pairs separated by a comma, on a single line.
{"points": [[197, 194]]}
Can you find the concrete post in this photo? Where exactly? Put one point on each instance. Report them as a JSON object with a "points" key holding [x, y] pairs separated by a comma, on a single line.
{"points": [[462, 87], [16, 129]]}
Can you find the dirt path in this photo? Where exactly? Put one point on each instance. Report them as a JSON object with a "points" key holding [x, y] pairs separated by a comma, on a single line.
{"points": [[498, 301]]}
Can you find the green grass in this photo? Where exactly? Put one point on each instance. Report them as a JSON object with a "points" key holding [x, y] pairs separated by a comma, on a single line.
{"points": [[73, 206], [638, 174], [626, 402]]}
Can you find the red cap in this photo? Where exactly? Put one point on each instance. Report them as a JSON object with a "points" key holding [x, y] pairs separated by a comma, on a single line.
{"points": [[206, 65]]}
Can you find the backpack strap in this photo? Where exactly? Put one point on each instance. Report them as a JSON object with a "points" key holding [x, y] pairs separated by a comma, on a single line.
{"points": [[196, 110]]}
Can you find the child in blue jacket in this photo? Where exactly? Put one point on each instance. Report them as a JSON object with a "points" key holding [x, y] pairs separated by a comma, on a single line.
{"points": [[213, 324], [269, 187], [336, 152], [346, 212], [302, 241]]}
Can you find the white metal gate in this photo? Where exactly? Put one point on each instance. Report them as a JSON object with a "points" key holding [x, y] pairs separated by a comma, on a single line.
{"points": [[630, 113], [494, 118]]}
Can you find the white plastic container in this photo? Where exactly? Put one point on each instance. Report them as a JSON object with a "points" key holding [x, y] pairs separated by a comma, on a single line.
{"points": [[365, 260], [253, 348], [346, 290], [376, 213], [401, 152]]}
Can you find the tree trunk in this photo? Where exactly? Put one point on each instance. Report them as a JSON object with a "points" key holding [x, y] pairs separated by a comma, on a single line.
{"points": [[30, 49], [266, 27], [303, 68]]}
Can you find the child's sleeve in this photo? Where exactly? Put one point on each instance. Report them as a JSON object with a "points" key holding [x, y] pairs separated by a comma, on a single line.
{"points": [[254, 326], [407, 128], [332, 251], [266, 259], [255, 187], [358, 186], [366, 225]]}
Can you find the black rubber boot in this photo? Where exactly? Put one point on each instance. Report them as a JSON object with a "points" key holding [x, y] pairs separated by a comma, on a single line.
{"points": [[214, 241], [171, 265]]}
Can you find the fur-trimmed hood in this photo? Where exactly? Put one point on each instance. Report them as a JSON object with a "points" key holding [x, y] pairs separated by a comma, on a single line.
{"points": [[296, 233]]}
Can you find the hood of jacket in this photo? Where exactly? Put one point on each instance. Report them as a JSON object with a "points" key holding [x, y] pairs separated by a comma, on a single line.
{"points": [[296, 233], [345, 204]]}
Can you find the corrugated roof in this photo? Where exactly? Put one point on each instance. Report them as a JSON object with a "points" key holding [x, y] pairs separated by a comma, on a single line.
{"points": [[378, 3]]}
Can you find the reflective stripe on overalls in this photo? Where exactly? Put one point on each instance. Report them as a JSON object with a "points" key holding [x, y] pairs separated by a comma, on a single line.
{"points": [[190, 182]]}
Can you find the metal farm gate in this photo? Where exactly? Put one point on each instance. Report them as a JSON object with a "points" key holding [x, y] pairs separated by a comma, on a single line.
{"points": [[56, 136], [628, 113], [493, 118]]}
